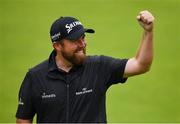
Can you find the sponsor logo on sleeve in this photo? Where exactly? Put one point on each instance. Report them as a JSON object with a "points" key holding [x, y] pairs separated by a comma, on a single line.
{"points": [[20, 101]]}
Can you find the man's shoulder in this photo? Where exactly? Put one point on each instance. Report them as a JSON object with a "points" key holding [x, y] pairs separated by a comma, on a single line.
{"points": [[41, 67], [98, 58], [93, 59]]}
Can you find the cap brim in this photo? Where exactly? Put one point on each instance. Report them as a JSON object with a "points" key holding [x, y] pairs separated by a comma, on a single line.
{"points": [[89, 30], [76, 35]]}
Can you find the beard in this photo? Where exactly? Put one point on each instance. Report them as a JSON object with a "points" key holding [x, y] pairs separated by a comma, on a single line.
{"points": [[76, 57]]}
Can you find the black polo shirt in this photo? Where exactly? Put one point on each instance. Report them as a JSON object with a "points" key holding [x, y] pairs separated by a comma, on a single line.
{"points": [[77, 96]]}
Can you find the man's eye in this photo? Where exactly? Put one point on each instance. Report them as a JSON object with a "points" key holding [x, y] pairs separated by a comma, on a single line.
{"points": [[83, 36]]}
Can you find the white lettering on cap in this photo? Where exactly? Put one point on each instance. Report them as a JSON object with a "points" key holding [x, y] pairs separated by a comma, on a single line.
{"points": [[70, 26], [55, 36]]}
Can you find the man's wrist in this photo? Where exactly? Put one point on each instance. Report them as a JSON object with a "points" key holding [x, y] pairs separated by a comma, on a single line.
{"points": [[148, 31]]}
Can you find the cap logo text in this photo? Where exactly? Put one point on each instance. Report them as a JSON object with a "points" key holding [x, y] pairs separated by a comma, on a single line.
{"points": [[56, 36], [70, 26]]}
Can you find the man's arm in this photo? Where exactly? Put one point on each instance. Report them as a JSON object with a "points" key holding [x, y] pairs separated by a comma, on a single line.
{"points": [[20, 121], [141, 63]]}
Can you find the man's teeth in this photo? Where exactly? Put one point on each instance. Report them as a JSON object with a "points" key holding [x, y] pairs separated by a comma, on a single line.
{"points": [[80, 51]]}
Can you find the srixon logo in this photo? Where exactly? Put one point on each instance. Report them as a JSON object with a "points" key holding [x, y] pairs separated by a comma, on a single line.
{"points": [[84, 91], [70, 26]]}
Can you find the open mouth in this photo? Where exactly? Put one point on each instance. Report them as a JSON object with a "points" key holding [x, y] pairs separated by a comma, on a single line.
{"points": [[80, 51]]}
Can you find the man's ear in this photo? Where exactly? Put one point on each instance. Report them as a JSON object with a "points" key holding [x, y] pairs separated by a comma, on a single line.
{"points": [[57, 46]]}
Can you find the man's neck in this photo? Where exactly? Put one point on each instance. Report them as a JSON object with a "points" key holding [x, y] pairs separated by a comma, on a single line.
{"points": [[63, 63]]}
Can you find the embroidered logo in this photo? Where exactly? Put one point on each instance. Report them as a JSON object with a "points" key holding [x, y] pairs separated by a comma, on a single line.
{"points": [[56, 36], [48, 96], [20, 101], [69, 27], [84, 91]]}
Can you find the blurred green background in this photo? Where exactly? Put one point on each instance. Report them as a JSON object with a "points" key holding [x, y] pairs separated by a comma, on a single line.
{"points": [[152, 97]]}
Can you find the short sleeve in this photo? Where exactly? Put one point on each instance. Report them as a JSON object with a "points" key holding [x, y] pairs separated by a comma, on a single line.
{"points": [[25, 105], [113, 70]]}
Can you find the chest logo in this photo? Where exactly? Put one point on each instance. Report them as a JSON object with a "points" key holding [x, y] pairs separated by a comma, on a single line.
{"points": [[48, 95], [84, 91]]}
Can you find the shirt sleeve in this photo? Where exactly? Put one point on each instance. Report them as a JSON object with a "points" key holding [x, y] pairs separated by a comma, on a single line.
{"points": [[113, 70], [25, 105]]}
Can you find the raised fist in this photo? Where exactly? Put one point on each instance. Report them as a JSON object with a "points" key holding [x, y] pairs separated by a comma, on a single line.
{"points": [[146, 19]]}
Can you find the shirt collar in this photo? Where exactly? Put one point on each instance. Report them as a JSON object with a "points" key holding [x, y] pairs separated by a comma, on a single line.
{"points": [[53, 66], [54, 72], [52, 63]]}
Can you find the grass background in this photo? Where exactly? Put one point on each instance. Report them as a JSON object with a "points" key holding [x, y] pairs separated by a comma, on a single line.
{"points": [[152, 97]]}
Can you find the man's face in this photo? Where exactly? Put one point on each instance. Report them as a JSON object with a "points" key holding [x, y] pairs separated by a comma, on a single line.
{"points": [[74, 51]]}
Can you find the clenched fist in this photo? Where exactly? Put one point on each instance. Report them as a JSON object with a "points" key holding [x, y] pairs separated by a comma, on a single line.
{"points": [[146, 19]]}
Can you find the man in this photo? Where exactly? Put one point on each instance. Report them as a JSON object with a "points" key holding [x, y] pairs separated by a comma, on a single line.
{"points": [[70, 86]]}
